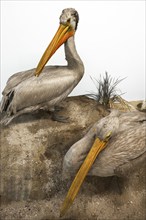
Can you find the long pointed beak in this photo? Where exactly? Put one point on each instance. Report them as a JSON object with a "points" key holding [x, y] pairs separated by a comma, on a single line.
{"points": [[98, 146], [63, 33]]}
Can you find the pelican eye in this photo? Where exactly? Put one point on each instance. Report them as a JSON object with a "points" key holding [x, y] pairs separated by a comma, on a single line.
{"points": [[107, 137]]}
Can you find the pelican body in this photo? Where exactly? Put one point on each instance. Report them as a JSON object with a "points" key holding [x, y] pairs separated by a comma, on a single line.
{"points": [[29, 90], [114, 145], [127, 143]]}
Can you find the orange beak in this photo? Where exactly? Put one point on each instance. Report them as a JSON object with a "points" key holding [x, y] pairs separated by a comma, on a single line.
{"points": [[98, 146], [63, 33]]}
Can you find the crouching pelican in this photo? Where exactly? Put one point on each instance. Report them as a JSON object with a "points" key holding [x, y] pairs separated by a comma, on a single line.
{"points": [[25, 92], [121, 138]]}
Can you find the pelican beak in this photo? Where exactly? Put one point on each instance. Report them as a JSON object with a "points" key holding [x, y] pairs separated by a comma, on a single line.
{"points": [[98, 146], [63, 33]]}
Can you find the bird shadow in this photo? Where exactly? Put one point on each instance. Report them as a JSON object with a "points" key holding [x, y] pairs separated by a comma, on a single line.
{"points": [[100, 185]]}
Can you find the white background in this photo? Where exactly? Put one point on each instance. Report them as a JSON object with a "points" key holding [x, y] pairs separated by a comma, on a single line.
{"points": [[110, 37]]}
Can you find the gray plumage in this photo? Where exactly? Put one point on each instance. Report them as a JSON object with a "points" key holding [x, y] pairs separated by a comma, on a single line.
{"points": [[127, 144], [25, 92]]}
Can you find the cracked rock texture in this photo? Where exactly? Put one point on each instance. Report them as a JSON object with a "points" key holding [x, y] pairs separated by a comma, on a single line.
{"points": [[32, 186]]}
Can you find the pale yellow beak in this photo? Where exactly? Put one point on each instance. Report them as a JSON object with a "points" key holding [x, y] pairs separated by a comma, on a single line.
{"points": [[63, 33], [98, 146]]}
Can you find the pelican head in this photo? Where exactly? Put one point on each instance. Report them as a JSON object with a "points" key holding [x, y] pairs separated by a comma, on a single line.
{"points": [[68, 25], [71, 16]]}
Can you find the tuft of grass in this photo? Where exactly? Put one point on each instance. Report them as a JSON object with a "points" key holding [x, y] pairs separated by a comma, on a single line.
{"points": [[106, 89]]}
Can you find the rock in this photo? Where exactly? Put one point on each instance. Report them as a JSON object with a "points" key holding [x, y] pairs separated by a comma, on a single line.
{"points": [[142, 106], [32, 187], [33, 146]]}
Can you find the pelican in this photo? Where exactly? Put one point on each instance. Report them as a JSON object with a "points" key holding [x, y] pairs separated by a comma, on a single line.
{"points": [[124, 149], [25, 92]]}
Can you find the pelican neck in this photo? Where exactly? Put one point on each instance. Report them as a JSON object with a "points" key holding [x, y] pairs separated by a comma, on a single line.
{"points": [[72, 57]]}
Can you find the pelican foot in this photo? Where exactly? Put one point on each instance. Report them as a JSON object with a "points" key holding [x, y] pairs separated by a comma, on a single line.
{"points": [[59, 118], [58, 108]]}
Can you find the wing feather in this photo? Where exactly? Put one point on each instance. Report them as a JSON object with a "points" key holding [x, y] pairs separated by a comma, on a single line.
{"points": [[47, 88], [19, 77]]}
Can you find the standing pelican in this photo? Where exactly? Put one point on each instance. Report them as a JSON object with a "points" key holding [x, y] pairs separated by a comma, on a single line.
{"points": [[125, 148], [25, 92]]}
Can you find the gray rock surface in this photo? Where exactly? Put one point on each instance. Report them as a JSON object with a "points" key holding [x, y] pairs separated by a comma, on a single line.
{"points": [[32, 186]]}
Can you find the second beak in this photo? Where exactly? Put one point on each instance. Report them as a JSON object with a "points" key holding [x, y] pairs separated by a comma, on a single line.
{"points": [[98, 146], [63, 33]]}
